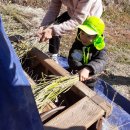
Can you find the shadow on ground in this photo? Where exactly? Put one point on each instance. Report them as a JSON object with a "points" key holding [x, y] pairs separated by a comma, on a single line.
{"points": [[116, 80]]}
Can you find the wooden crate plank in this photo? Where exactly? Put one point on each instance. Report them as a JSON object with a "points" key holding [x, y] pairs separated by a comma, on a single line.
{"points": [[79, 88], [82, 90], [83, 113], [32, 83], [48, 63], [103, 104], [50, 105]]}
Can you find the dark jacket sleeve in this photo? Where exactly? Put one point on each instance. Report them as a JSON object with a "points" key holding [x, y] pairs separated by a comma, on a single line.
{"points": [[74, 64], [98, 62]]}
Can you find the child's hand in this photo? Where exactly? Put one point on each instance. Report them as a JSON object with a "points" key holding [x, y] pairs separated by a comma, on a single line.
{"points": [[84, 74]]}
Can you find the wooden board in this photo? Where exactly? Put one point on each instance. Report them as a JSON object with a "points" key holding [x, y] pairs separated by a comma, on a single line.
{"points": [[56, 69], [48, 63], [83, 113], [103, 104], [79, 88], [32, 83], [50, 105]]}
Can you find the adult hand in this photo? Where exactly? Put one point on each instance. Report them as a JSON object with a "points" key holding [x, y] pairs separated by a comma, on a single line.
{"points": [[44, 34], [47, 34], [40, 32], [84, 74]]}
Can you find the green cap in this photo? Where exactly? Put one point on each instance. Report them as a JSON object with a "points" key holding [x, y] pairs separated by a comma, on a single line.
{"points": [[94, 26]]}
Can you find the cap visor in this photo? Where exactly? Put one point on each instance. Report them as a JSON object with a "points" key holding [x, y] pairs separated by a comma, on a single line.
{"points": [[87, 30]]}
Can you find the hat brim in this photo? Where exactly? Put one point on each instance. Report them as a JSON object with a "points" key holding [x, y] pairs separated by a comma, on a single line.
{"points": [[87, 29]]}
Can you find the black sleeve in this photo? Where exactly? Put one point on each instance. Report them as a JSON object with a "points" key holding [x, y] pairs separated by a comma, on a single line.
{"points": [[98, 62]]}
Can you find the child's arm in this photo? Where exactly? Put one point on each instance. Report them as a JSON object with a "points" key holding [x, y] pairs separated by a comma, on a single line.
{"points": [[98, 62], [96, 65]]}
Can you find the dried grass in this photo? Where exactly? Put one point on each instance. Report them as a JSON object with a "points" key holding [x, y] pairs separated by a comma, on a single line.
{"points": [[20, 17], [49, 90]]}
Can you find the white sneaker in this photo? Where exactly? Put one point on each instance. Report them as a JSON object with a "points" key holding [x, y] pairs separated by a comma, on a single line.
{"points": [[53, 56], [48, 54]]}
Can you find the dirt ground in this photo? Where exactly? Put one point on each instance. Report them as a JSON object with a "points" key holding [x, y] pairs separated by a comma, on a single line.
{"points": [[117, 72]]}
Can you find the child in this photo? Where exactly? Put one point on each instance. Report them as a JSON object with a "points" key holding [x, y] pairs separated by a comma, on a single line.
{"points": [[76, 12], [88, 53]]}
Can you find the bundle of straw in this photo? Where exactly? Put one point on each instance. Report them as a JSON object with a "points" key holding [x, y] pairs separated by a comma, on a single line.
{"points": [[22, 48], [48, 91]]}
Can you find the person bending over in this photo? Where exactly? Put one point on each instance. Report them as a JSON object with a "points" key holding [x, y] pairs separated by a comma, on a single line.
{"points": [[54, 26]]}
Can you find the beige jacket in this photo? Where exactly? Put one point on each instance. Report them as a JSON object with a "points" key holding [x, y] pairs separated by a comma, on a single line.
{"points": [[78, 10]]}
